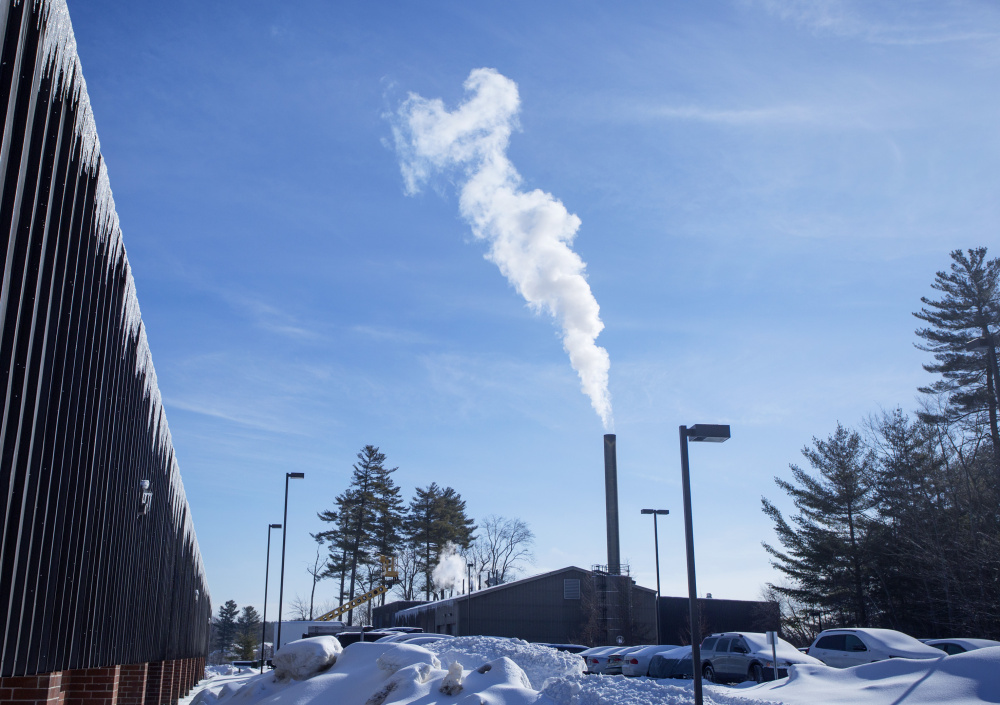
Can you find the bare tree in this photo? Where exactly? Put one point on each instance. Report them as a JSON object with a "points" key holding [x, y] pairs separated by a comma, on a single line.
{"points": [[298, 609], [408, 565], [318, 570], [503, 547]]}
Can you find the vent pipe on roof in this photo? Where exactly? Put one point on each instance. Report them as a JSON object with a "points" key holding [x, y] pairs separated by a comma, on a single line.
{"points": [[611, 499]]}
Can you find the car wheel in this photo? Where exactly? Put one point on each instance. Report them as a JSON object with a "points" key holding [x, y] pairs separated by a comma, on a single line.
{"points": [[756, 673], [708, 673]]}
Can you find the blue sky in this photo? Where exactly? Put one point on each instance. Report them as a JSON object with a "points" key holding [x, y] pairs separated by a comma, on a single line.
{"points": [[765, 190]]}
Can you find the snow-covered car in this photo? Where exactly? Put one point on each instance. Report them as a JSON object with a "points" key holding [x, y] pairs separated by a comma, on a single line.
{"points": [[637, 662], [416, 638], [843, 648], [617, 659], [568, 648], [960, 646], [743, 656], [592, 657], [672, 664]]}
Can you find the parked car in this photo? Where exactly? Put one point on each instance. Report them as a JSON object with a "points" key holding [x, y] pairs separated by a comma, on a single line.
{"points": [[416, 639], [637, 662], [960, 646], [568, 648], [843, 648], [617, 659], [741, 656], [592, 658], [672, 664]]}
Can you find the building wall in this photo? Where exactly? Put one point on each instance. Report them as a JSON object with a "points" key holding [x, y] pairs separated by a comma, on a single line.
{"points": [[716, 616], [535, 609], [90, 577]]}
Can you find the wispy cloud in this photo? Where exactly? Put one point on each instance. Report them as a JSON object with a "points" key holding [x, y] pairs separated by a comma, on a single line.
{"points": [[270, 317], [775, 115], [915, 23]]}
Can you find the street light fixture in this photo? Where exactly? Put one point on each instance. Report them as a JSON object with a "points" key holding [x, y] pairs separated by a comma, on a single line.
{"points": [[284, 535], [267, 569], [656, 548], [709, 433]]}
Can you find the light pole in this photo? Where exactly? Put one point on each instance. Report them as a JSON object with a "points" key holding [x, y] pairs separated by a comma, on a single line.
{"points": [[284, 535], [711, 433], [656, 548], [267, 569]]}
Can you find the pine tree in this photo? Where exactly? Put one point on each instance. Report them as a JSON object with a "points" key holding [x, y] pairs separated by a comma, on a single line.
{"points": [[248, 633], [368, 520], [961, 339], [826, 554], [225, 626], [437, 517]]}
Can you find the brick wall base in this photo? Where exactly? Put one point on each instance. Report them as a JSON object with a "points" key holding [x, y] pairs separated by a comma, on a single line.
{"points": [[154, 683]]}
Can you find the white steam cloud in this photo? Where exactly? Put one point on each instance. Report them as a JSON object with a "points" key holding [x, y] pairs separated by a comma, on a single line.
{"points": [[529, 233], [450, 570]]}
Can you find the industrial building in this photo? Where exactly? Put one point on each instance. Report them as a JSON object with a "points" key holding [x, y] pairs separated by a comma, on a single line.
{"points": [[103, 593], [562, 606]]}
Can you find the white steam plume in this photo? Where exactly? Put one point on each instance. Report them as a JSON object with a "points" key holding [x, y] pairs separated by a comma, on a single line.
{"points": [[529, 233], [450, 570]]}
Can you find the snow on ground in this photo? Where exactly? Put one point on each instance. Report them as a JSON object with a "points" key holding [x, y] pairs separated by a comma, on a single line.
{"points": [[538, 662], [495, 671], [962, 679]]}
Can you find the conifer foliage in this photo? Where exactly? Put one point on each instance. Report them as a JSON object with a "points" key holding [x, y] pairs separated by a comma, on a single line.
{"points": [[897, 524], [370, 519]]}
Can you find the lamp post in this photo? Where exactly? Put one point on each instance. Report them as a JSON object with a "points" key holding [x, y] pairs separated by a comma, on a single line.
{"points": [[284, 535], [267, 569], [656, 548], [711, 433]]}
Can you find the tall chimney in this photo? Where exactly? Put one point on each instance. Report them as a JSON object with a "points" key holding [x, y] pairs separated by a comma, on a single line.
{"points": [[611, 499]]}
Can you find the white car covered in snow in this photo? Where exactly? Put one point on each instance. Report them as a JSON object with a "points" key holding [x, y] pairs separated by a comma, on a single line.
{"points": [[637, 662], [960, 646], [843, 648]]}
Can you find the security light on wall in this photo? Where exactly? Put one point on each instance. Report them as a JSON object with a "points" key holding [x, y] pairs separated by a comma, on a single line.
{"points": [[146, 498]]}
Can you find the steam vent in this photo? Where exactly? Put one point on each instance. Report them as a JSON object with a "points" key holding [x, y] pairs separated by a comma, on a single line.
{"points": [[103, 593]]}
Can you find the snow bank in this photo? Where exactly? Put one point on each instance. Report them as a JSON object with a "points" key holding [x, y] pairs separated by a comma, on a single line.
{"points": [[369, 673], [963, 679], [306, 657], [539, 663], [619, 690]]}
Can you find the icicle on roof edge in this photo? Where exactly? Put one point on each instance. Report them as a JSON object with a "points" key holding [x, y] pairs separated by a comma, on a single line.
{"points": [[63, 64]]}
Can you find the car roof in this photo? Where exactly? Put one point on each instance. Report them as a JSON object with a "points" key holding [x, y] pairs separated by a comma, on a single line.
{"points": [[975, 643]]}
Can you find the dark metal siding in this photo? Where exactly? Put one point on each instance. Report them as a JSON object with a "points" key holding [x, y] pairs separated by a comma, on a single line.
{"points": [[716, 616], [86, 580]]}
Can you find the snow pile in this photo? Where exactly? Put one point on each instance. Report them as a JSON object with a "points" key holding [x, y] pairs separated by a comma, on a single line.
{"points": [[369, 673], [539, 662], [306, 657], [619, 690], [963, 679]]}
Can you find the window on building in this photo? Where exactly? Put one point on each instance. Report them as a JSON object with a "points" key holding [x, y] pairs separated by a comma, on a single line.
{"points": [[571, 589]]}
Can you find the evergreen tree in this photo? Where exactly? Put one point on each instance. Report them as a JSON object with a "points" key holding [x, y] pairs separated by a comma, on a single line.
{"points": [[248, 633], [225, 626], [826, 551], [368, 520], [964, 315], [437, 517]]}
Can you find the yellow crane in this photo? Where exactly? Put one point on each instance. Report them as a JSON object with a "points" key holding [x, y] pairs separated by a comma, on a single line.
{"points": [[390, 574]]}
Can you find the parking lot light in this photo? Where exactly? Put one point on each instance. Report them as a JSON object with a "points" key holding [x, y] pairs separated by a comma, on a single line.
{"points": [[710, 433], [656, 550]]}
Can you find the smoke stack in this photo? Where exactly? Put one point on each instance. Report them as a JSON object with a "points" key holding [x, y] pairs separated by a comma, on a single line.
{"points": [[611, 499]]}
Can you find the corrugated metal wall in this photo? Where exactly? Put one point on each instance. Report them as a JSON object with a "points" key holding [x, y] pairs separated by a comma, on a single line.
{"points": [[86, 578]]}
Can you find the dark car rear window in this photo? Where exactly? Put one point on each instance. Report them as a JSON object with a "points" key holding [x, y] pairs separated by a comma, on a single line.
{"points": [[833, 642], [723, 645], [709, 644]]}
